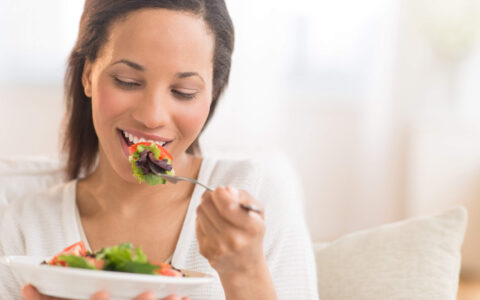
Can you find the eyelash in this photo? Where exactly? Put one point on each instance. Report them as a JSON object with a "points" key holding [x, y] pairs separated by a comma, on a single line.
{"points": [[132, 85], [126, 84], [184, 96]]}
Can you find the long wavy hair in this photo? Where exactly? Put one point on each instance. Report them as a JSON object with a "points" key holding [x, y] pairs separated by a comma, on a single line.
{"points": [[80, 141]]}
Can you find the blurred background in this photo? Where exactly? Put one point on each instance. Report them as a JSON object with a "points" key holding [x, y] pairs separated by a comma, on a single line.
{"points": [[376, 102]]}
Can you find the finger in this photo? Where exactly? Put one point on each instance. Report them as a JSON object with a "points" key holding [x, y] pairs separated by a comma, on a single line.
{"points": [[245, 198], [102, 295], [228, 232], [227, 200], [208, 210], [206, 226], [210, 242], [29, 292], [149, 295], [172, 297]]}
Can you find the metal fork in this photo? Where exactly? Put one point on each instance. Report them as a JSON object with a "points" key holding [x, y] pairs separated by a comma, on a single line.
{"points": [[176, 179]]}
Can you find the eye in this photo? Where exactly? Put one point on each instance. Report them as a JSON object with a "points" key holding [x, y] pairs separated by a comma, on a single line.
{"points": [[182, 95], [126, 84]]}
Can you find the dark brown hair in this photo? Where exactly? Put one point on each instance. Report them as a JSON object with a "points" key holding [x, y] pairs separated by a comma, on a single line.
{"points": [[80, 142]]}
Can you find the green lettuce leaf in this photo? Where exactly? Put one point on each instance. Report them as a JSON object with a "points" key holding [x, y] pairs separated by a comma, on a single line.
{"points": [[125, 258], [76, 262], [150, 179], [137, 267]]}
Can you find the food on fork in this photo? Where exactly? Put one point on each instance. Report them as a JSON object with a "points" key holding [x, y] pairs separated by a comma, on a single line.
{"points": [[120, 258], [144, 153]]}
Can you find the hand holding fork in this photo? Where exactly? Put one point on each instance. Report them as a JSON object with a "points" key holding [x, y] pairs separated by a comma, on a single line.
{"points": [[175, 179]]}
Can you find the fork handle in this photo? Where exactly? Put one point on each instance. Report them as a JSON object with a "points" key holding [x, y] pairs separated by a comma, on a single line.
{"points": [[205, 186], [244, 206]]}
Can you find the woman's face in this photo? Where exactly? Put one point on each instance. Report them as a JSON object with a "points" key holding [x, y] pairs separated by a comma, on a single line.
{"points": [[152, 80]]}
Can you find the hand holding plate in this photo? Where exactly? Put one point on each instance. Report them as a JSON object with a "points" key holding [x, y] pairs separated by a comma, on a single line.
{"points": [[29, 292]]}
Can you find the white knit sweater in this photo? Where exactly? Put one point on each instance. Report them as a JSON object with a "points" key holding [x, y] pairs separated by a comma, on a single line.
{"points": [[46, 223]]}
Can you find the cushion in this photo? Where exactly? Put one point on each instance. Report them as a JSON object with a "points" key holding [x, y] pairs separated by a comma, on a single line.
{"points": [[20, 176], [413, 259]]}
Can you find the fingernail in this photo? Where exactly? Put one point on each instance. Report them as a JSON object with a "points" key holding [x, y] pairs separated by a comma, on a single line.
{"points": [[233, 191]]}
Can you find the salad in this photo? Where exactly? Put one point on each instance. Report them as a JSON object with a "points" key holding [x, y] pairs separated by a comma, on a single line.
{"points": [[119, 258], [144, 153]]}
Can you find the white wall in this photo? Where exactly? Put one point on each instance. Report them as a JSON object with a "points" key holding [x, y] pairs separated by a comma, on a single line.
{"points": [[30, 117]]}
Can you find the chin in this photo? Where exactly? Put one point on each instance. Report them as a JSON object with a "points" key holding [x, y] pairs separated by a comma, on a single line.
{"points": [[126, 174], [121, 167]]}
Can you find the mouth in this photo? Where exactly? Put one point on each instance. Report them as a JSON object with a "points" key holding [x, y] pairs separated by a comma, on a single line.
{"points": [[131, 139]]}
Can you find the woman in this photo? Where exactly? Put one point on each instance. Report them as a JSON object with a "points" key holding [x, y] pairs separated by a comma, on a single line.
{"points": [[154, 70]]}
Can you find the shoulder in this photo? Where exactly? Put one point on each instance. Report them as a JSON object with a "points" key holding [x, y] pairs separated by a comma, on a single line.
{"points": [[45, 200], [33, 216]]}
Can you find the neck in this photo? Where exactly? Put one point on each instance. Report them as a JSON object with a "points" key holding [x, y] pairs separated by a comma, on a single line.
{"points": [[104, 191]]}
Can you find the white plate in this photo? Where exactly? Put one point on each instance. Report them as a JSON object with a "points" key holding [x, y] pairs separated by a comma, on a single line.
{"points": [[73, 283]]}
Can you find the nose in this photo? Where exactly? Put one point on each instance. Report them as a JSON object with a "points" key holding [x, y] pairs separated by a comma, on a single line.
{"points": [[153, 109]]}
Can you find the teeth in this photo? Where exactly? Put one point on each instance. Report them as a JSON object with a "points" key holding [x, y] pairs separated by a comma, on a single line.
{"points": [[156, 142], [134, 139]]}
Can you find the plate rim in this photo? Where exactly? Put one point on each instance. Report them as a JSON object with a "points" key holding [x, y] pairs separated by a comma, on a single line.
{"points": [[13, 262]]}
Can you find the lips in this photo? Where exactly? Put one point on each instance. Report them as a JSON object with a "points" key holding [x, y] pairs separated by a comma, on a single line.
{"points": [[126, 140], [132, 137]]}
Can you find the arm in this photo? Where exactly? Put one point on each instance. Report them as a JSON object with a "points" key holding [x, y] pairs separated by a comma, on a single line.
{"points": [[285, 269], [252, 284]]}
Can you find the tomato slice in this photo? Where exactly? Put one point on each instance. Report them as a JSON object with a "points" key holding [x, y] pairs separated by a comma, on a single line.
{"points": [[98, 263], [163, 152], [133, 148], [169, 272], [77, 249], [162, 265]]}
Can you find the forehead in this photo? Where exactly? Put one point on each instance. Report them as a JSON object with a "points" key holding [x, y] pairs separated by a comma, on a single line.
{"points": [[160, 38]]}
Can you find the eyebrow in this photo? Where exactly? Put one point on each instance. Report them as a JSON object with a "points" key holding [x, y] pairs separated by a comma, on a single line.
{"points": [[188, 74], [131, 64]]}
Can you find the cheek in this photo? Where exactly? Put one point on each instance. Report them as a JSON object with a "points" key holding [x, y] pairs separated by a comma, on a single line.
{"points": [[192, 120], [107, 102]]}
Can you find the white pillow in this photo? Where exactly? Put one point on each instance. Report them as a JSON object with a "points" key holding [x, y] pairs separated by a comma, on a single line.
{"points": [[413, 259], [23, 175]]}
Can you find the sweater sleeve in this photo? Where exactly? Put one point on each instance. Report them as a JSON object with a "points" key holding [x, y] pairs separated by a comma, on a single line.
{"points": [[11, 243], [287, 243]]}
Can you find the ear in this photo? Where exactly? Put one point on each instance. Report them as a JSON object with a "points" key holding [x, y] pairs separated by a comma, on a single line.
{"points": [[87, 79]]}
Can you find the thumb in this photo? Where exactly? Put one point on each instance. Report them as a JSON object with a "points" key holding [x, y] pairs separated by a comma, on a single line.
{"points": [[102, 295], [29, 292]]}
